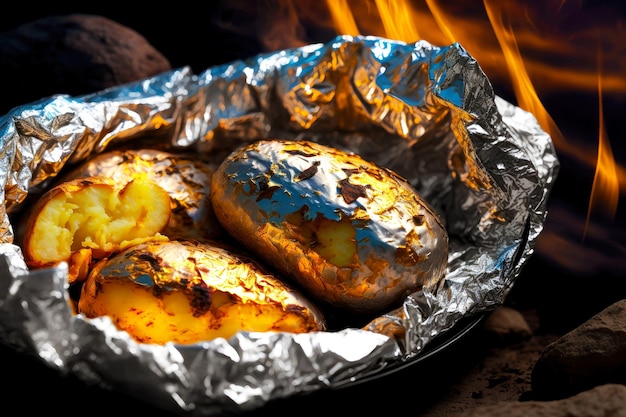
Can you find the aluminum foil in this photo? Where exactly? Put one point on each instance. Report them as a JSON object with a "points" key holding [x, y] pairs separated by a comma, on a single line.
{"points": [[427, 112]]}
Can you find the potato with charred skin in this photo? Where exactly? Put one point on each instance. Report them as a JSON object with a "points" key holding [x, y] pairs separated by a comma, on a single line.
{"points": [[186, 177], [83, 220], [356, 236], [189, 291]]}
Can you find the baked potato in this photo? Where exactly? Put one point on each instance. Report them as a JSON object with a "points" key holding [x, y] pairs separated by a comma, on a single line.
{"points": [[355, 235], [83, 220], [190, 291], [187, 179]]}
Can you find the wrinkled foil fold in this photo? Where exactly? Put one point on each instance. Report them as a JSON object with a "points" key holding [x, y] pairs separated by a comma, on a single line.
{"points": [[427, 112]]}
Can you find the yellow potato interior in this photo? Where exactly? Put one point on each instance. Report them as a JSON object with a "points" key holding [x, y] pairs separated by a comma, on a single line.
{"points": [[335, 241], [175, 316], [188, 291], [97, 216], [52, 235]]}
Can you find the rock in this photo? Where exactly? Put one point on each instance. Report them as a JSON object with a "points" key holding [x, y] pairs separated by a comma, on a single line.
{"points": [[73, 54], [603, 401], [592, 354], [507, 324]]}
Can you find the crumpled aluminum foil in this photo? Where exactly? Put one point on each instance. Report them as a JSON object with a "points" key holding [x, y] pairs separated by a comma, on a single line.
{"points": [[427, 112]]}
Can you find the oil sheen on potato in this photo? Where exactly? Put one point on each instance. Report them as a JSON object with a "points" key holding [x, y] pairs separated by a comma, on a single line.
{"points": [[355, 235]]}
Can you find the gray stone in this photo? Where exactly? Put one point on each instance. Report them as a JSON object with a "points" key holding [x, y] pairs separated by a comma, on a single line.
{"points": [[72, 54], [507, 324], [592, 354]]}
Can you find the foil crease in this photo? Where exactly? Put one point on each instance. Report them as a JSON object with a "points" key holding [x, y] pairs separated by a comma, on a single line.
{"points": [[427, 112]]}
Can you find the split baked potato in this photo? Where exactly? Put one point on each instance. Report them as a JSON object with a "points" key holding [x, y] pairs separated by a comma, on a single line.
{"points": [[83, 220], [189, 291], [355, 235], [186, 177]]}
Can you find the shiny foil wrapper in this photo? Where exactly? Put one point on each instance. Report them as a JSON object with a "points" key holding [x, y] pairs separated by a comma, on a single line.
{"points": [[427, 112]]}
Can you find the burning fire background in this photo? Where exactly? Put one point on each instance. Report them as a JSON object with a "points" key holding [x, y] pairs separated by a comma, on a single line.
{"points": [[563, 61]]}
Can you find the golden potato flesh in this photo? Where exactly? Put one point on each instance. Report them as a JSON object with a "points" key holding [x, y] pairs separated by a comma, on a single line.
{"points": [[355, 235], [186, 292], [85, 219], [187, 179]]}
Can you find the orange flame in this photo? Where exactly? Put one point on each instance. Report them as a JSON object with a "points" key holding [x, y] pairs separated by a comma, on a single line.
{"points": [[523, 48], [442, 21], [523, 87], [605, 187], [342, 17], [398, 18]]}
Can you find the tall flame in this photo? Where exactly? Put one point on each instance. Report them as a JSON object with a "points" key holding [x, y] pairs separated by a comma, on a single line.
{"points": [[442, 21], [605, 187], [342, 17], [523, 87], [396, 18]]}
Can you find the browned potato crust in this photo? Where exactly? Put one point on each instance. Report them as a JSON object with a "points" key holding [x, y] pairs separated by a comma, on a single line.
{"points": [[187, 292], [353, 234]]}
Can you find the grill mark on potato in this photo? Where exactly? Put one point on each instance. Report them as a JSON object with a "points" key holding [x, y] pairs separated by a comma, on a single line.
{"points": [[200, 299], [419, 219], [406, 254], [267, 193], [351, 192], [264, 183], [265, 190], [155, 263], [307, 173], [299, 152]]}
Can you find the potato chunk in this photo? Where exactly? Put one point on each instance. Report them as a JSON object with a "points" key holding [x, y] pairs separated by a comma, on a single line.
{"points": [[187, 291], [87, 219]]}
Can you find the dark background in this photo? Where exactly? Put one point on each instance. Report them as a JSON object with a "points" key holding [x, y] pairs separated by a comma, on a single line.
{"points": [[568, 288]]}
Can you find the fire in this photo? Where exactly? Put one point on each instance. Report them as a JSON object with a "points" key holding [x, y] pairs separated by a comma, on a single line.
{"points": [[398, 21], [523, 87], [605, 189], [342, 16], [606, 182], [528, 50]]}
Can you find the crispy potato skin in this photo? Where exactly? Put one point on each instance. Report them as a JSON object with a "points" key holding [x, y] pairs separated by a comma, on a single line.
{"points": [[354, 235], [187, 179], [189, 291], [83, 220]]}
